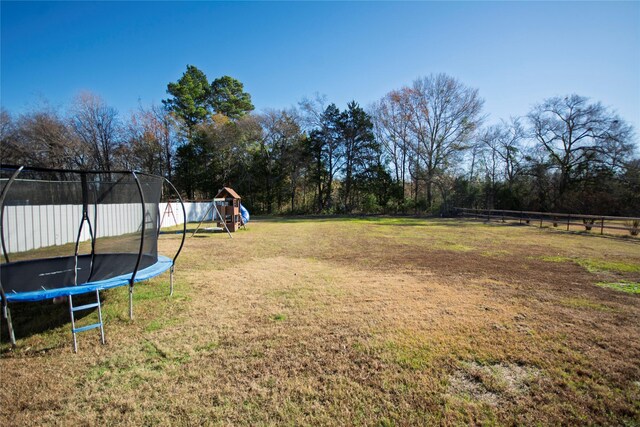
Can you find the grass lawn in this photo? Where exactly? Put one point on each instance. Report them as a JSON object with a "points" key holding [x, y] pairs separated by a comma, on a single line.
{"points": [[376, 321]]}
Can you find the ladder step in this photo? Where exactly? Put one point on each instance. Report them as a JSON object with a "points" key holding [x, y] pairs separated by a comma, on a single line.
{"points": [[86, 328], [86, 306]]}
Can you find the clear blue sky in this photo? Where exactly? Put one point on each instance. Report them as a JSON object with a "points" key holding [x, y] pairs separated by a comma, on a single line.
{"points": [[516, 54]]}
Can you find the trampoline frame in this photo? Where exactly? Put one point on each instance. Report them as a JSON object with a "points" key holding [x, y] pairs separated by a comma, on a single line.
{"points": [[95, 286]]}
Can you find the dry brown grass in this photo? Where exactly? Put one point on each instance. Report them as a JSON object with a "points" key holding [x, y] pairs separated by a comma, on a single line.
{"points": [[349, 321]]}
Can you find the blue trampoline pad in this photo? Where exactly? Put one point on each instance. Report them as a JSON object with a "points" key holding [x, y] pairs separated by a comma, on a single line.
{"points": [[43, 279]]}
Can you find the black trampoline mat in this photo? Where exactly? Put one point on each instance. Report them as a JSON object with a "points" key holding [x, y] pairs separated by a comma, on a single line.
{"points": [[53, 273]]}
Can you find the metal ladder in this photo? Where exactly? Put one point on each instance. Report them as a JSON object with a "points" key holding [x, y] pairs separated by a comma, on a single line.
{"points": [[75, 330]]}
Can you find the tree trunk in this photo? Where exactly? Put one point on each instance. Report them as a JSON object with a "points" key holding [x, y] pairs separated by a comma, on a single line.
{"points": [[429, 185]]}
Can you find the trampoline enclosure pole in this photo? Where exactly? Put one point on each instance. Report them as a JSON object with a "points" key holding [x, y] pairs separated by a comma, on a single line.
{"points": [[184, 234], [184, 223], [171, 281], [5, 305], [5, 190], [135, 270], [131, 302]]}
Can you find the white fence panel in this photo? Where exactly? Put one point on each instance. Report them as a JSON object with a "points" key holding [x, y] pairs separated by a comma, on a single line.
{"points": [[194, 210], [37, 226]]}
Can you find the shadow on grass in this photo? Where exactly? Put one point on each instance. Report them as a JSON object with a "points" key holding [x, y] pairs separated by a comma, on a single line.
{"points": [[31, 318], [347, 218], [191, 230], [206, 228], [417, 221], [402, 221]]}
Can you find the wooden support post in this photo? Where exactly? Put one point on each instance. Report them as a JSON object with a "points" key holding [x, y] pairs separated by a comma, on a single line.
{"points": [[568, 221], [602, 226]]}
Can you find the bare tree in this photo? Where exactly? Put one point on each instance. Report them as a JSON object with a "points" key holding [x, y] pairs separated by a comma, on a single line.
{"points": [[39, 138], [10, 152], [143, 136], [47, 139], [392, 129], [312, 110], [150, 140], [6, 125], [578, 136], [424, 128], [504, 141], [444, 115], [280, 135], [166, 127], [489, 159], [96, 125]]}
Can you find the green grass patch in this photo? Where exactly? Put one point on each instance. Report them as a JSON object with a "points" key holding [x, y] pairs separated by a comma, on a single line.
{"points": [[585, 303], [411, 357], [132, 367], [457, 247], [278, 317], [213, 345], [406, 353], [598, 265], [160, 323], [556, 259], [624, 286]]}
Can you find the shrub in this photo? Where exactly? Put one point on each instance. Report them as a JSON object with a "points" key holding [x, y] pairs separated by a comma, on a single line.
{"points": [[370, 204]]}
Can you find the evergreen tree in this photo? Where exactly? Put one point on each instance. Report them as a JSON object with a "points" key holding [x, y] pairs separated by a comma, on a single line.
{"points": [[228, 98], [359, 148], [190, 99]]}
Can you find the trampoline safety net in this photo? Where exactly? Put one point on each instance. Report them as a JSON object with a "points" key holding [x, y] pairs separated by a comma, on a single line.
{"points": [[65, 228]]}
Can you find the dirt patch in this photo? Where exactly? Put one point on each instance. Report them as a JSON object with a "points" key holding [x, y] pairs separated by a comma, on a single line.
{"points": [[493, 384]]}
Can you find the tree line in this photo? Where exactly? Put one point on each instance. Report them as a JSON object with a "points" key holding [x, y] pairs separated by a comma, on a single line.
{"points": [[422, 148]]}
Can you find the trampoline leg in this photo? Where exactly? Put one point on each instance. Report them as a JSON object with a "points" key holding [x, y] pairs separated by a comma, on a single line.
{"points": [[100, 317], [73, 325], [171, 281], [7, 315], [131, 302]]}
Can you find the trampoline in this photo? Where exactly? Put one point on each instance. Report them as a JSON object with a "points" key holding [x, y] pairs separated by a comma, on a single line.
{"points": [[66, 232]]}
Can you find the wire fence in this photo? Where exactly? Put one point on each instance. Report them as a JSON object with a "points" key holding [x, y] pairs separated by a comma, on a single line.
{"points": [[569, 221]]}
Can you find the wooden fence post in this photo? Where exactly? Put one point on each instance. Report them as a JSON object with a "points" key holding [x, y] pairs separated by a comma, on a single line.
{"points": [[602, 227]]}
